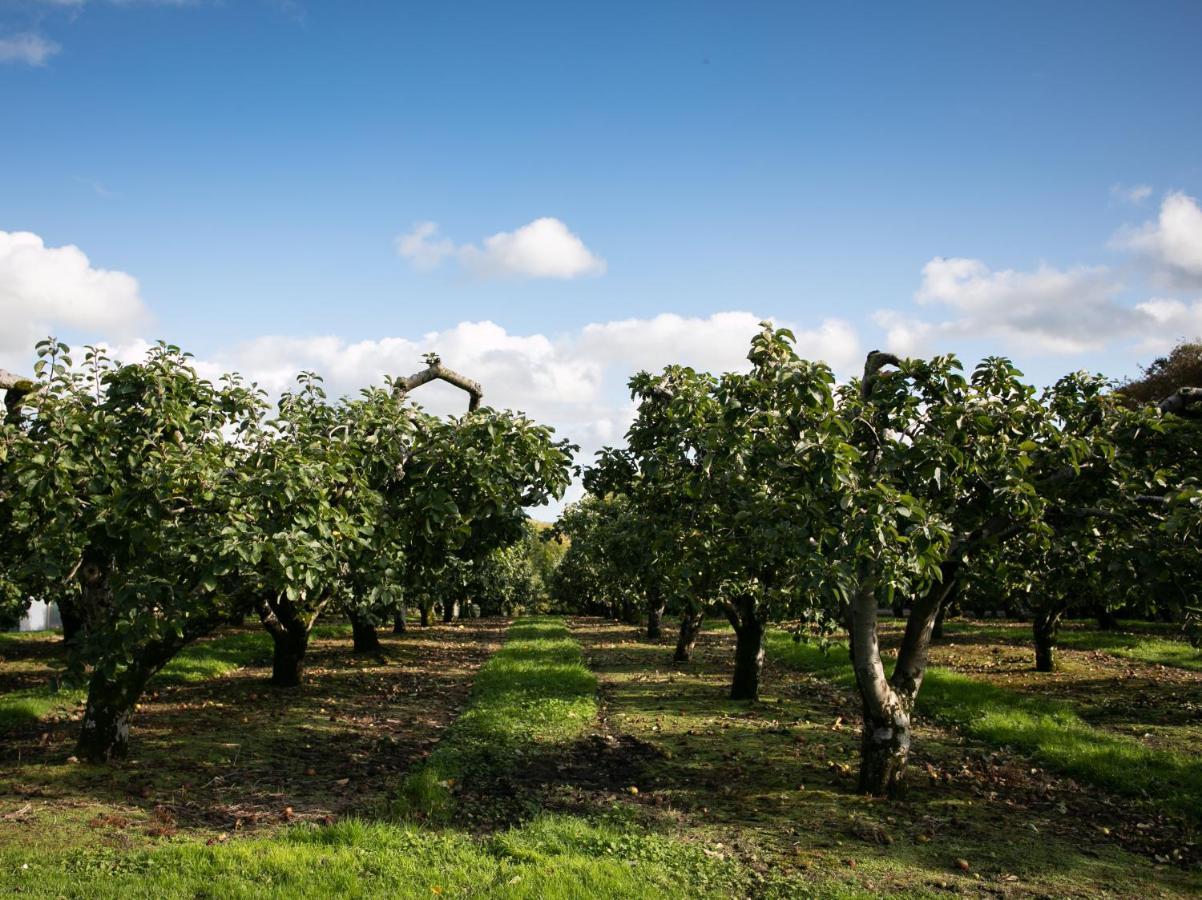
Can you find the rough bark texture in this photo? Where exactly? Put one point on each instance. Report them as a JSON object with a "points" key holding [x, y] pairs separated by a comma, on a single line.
{"points": [[937, 629], [104, 734], [363, 633], [655, 618], [889, 703], [690, 628], [749, 649]]}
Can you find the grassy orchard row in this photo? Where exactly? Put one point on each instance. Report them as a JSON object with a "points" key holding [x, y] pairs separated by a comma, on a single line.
{"points": [[776, 494], [534, 696], [155, 505]]}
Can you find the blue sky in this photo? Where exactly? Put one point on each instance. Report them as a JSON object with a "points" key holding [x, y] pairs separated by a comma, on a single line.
{"points": [[251, 165]]}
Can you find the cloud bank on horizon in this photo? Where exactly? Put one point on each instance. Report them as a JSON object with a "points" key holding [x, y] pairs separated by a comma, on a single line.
{"points": [[576, 381]]}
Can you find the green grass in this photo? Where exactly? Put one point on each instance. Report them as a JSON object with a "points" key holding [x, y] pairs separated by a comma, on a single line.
{"points": [[533, 696], [535, 690], [1130, 640], [551, 857], [197, 662], [1049, 730]]}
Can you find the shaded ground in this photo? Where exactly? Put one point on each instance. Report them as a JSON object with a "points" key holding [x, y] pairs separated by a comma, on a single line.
{"points": [[233, 753], [1159, 704], [772, 785]]}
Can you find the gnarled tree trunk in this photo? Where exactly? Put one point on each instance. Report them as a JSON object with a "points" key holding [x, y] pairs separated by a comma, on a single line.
{"points": [[746, 618], [289, 632], [110, 707], [690, 628], [112, 699], [888, 704]]}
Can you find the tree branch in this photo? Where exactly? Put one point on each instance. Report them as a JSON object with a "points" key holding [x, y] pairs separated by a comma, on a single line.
{"points": [[1185, 402], [876, 361], [436, 371]]}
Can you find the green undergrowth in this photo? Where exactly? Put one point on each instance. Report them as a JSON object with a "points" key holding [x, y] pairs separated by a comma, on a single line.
{"points": [[533, 692], [550, 857], [197, 662], [534, 695], [1144, 641], [1049, 730]]}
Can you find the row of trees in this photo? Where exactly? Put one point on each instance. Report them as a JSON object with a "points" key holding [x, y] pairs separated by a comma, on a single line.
{"points": [[777, 494], [155, 505]]}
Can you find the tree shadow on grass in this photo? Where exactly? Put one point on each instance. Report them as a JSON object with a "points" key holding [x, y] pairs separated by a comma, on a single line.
{"points": [[783, 770], [233, 752]]}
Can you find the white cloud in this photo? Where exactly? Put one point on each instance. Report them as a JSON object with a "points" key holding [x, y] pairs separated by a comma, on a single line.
{"points": [[1051, 310], [1135, 194], [1172, 242], [423, 248], [30, 49], [544, 248], [45, 288], [1048, 310], [1171, 321], [717, 343]]}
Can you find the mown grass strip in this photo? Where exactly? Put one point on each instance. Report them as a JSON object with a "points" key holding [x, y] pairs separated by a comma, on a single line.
{"points": [[1048, 730], [535, 690]]}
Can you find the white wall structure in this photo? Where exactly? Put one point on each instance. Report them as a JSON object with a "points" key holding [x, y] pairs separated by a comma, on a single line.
{"points": [[41, 616]]}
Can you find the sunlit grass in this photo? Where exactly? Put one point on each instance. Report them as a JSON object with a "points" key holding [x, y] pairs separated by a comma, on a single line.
{"points": [[534, 690], [1144, 641], [551, 857], [1049, 730], [197, 662]]}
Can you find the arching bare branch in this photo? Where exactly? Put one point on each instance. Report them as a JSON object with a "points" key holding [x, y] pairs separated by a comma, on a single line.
{"points": [[436, 371]]}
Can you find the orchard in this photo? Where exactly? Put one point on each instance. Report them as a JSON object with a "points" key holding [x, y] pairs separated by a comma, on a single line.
{"points": [[798, 636]]}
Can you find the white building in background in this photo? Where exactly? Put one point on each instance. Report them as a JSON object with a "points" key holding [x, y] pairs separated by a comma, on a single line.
{"points": [[41, 616]]}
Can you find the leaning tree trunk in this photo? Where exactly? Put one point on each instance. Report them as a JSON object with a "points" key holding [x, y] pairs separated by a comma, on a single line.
{"points": [[110, 707], [112, 699], [937, 629], [363, 633], [888, 704], [655, 617], [398, 622], [1046, 626], [745, 616], [690, 628]]}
